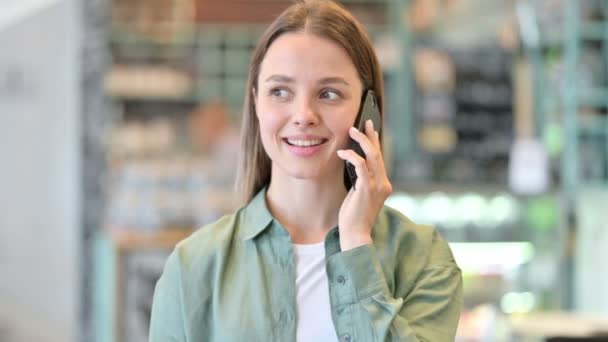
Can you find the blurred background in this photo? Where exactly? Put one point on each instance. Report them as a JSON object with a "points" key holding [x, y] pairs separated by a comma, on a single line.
{"points": [[119, 133]]}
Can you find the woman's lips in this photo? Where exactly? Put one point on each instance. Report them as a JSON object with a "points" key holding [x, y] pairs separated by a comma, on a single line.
{"points": [[304, 147]]}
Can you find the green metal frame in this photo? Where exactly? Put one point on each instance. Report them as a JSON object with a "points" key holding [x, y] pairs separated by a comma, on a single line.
{"points": [[570, 99], [400, 91], [573, 99]]}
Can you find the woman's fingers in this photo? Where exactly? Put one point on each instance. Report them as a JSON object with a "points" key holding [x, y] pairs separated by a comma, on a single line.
{"points": [[361, 167], [375, 160], [373, 156], [372, 133]]}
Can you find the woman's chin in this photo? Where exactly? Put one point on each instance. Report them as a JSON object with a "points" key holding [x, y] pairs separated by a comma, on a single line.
{"points": [[312, 175]]}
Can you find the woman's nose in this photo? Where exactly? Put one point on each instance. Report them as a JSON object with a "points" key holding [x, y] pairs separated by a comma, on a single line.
{"points": [[305, 114]]}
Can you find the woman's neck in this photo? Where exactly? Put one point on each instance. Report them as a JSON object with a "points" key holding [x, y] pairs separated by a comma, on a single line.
{"points": [[308, 209]]}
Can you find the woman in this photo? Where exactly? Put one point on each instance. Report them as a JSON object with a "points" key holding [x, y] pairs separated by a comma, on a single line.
{"points": [[305, 259]]}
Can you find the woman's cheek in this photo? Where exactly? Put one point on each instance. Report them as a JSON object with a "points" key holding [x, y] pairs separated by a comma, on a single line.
{"points": [[345, 141], [274, 122], [341, 129], [271, 124]]}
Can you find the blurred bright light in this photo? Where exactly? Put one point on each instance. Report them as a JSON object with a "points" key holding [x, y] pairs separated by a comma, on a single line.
{"points": [[517, 302], [469, 209], [502, 209], [475, 257], [405, 204], [437, 208], [17, 10], [453, 212], [542, 213]]}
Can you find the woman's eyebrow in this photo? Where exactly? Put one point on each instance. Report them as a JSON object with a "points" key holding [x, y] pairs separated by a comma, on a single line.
{"points": [[287, 79], [329, 80], [280, 78]]}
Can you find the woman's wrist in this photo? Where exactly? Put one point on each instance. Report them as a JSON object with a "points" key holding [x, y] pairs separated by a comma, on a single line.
{"points": [[350, 241]]}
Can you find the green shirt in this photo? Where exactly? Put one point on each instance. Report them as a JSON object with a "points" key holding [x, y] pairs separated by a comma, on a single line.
{"points": [[234, 280]]}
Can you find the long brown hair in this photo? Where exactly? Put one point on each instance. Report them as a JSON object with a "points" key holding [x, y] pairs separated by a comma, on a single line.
{"points": [[325, 19]]}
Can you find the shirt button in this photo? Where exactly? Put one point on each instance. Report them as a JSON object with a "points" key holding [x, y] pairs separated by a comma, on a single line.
{"points": [[341, 280], [346, 338]]}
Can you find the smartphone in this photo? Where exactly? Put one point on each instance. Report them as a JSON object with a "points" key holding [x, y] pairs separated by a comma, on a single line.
{"points": [[369, 110]]}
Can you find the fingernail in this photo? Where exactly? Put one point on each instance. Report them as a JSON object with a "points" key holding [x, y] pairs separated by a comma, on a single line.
{"points": [[371, 123], [354, 129]]}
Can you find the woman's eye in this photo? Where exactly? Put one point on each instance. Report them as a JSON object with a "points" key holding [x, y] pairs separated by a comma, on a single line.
{"points": [[279, 93], [330, 95]]}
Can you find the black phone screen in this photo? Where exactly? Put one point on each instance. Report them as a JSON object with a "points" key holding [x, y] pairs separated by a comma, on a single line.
{"points": [[369, 110]]}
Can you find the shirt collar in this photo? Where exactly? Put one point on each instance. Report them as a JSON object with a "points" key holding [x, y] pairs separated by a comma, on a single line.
{"points": [[256, 216]]}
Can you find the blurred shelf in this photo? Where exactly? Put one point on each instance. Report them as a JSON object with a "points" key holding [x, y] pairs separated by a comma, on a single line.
{"points": [[597, 126], [185, 99], [597, 98], [565, 325], [365, 2], [149, 82], [483, 188], [130, 239], [449, 187], [127, 37], [594, 30]]}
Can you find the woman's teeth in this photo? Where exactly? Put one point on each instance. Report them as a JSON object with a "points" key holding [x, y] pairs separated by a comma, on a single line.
{"points": [[304, 143]]}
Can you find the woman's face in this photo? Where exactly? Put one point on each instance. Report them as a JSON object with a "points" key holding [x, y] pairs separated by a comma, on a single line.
{"points": [[307, 98]]}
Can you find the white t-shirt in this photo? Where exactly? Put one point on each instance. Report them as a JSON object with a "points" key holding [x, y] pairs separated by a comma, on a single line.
{"points": [[314, 321]]}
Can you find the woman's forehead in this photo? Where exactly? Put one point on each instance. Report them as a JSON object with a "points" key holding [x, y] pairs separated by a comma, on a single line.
{"points": [[306, 54]]}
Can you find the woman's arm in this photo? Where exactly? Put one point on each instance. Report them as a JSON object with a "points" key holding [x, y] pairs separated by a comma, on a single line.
{"points": [[429, 311]]}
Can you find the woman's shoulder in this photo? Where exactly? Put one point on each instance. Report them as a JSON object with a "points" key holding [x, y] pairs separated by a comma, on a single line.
{"points": [[421, 241], [208, 241], [397, 225]]}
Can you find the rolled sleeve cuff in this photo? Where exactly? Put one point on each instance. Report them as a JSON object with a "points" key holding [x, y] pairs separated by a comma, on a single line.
{"points": [[356, 274]]}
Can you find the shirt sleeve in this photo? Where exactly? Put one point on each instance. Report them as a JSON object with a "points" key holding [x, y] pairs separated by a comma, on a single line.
{"points": [[428, 312], [166, 322]]}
